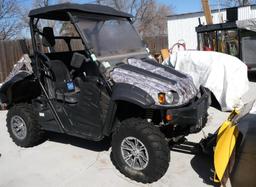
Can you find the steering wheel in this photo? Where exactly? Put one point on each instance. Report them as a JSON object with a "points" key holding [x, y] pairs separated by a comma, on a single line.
{"points": [[43, 58]]}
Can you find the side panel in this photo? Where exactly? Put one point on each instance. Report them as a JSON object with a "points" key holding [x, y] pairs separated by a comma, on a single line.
{"points": [[45, 115], [89, 115]]}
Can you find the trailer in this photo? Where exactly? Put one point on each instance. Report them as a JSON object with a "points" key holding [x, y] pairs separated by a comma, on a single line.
{"points": [[236, 38]]}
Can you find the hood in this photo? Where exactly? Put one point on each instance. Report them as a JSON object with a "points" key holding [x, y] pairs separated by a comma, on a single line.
{"points": [[155, 78]]}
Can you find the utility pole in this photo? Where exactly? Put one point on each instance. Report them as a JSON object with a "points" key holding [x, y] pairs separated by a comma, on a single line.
{"points": [[207, 12]]}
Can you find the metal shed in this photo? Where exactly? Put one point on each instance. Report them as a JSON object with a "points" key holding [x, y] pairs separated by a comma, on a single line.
{"points": [[182, 26]]}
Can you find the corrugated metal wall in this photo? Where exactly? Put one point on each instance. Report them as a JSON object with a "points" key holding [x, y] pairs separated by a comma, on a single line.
{"points": [[182, 27], [253, 11], [244, 13]]}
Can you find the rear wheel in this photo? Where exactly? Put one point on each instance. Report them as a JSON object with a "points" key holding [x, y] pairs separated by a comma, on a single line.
{"points": [[23, 126], [139, 151]]}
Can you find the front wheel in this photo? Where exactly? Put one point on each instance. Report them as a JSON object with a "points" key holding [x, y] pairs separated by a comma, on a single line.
{"points": [[140, 151], [23, 126]]}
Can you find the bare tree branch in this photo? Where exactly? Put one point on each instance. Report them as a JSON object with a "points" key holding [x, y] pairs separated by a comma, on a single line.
{"points": [[231, 3], [10, 24], [148, 15]]}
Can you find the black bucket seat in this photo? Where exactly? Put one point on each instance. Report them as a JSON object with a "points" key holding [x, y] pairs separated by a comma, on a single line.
{"points": [[59, 83]]}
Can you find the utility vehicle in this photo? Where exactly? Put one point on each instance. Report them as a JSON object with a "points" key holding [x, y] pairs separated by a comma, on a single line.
{"points": [[108, 86]]}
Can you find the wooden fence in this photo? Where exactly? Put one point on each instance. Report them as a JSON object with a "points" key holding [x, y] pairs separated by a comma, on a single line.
{"points": [[12, 51], [155, 44]]}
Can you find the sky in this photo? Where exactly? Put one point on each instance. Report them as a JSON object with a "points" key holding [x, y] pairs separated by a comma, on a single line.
{"points": [[179, 6], [187, 6]]}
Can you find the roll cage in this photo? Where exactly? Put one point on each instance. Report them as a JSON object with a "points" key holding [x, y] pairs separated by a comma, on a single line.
{"points": [[67, 12]]}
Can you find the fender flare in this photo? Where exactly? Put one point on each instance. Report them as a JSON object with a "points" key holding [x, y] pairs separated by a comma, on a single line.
{"points": [[19, 87], [132, 94], [129, 93]]}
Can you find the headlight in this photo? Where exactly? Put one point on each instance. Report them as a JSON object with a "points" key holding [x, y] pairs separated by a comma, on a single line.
{"points": [[169, 97]]}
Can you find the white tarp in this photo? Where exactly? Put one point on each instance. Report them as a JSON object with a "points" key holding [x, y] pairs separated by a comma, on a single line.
{"points": [[248, 24], [224, 75], [253, 111], [250, 96]]}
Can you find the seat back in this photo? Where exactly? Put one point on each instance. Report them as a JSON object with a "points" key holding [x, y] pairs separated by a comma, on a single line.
{"points": [[57, 84], [60, 74]]}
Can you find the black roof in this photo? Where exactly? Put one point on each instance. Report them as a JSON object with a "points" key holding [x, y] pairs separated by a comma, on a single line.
{"points": [[59, 12]]}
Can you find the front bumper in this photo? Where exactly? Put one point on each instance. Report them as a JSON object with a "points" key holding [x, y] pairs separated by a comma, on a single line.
{"points": [[193, 117]]}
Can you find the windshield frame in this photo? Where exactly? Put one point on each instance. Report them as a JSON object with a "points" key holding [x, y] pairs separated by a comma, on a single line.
{"points": [[87, 16]]}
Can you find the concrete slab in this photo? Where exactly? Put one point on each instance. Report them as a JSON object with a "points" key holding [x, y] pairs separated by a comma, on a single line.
{"points": [[69, 161]]}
